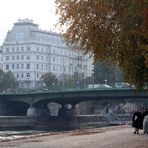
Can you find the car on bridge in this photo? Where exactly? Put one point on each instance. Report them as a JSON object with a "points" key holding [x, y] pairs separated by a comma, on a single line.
{"points": [[99, 86], [123, 85]]}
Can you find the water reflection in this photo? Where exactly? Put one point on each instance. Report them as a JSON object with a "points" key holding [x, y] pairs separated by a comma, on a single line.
{"points": [[8, 135]]}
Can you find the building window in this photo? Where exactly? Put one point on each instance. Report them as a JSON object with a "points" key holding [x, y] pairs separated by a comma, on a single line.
{"points": [[37, 48], [28, 66], [22, 75], [64, 68], [17, 57], [28, 48], [7, 49], [42, 58], [22, 57], [13, 49], [12, 66], [37, 66], [37, 57], [42, 66], [17, 48], [37, 75], [7, 57], [12, 57], [22, 66], [54, 68], [17, 75], [19, 36], [53, 59], [28, 75], [17, 66], [28, 57], [22, 48], [7, 67]]}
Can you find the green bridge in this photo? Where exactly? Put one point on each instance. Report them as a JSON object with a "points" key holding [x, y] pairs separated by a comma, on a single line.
{"points": [[31, 104]]}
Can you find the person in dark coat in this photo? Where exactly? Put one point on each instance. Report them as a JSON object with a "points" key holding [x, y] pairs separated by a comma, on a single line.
{"points": [[137, 121]]}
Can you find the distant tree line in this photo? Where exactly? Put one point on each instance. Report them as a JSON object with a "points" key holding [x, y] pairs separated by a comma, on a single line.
{"points": [[103, 73], [64, 81], [106, 73]]}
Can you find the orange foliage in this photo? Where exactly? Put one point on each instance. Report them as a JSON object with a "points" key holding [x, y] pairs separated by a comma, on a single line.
{"points": [[114, 30]]}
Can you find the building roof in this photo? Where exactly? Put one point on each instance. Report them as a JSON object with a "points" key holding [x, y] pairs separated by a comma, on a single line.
{"points": [[26, 30]]}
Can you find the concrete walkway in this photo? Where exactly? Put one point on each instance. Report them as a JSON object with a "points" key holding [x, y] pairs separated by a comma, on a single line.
{"points": [[110, 137]]}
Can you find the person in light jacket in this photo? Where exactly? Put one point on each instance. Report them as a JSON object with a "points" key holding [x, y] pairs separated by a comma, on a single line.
{"points": [[145, 121]]}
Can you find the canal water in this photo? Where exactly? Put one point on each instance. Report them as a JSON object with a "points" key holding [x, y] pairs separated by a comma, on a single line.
{"points": [[89, 122], [8, 135]]}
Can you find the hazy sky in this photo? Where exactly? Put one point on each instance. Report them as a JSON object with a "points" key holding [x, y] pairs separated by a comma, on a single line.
{"points": [[42, 12]]}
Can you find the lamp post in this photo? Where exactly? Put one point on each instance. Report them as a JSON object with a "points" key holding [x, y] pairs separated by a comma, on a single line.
{"points": [[63, 74], [53, 85], [105, 81], [44, 85], [77, 84], [93, 79], [58, 82], [85, 76]]}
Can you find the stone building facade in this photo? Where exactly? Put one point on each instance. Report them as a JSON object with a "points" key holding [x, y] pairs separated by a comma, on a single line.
{"points": [[30, 52]]}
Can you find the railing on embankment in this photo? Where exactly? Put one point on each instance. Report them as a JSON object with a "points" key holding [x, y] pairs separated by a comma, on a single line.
{"points": [[60, 123]]}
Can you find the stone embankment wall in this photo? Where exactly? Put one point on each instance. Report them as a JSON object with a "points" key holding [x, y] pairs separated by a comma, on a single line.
{"points": [[59, 123], [32, 123]]}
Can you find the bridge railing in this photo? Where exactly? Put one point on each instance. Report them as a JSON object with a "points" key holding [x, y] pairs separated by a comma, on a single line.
{"points": [[61, 90]]}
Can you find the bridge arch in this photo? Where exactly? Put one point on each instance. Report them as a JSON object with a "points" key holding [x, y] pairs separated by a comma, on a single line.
{"points": [[15, 108]]}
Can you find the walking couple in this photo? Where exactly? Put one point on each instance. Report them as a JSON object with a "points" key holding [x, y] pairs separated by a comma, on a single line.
{"points": [[140, 121]]}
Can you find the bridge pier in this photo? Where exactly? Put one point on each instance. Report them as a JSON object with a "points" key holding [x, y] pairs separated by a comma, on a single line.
{"points": [[34, 111], [66, 112], [62, 111], [73, 111], [44, 110], [69, 115]]}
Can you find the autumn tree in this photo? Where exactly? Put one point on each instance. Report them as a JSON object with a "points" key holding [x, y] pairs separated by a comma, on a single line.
{"points": [[113, 30]]}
